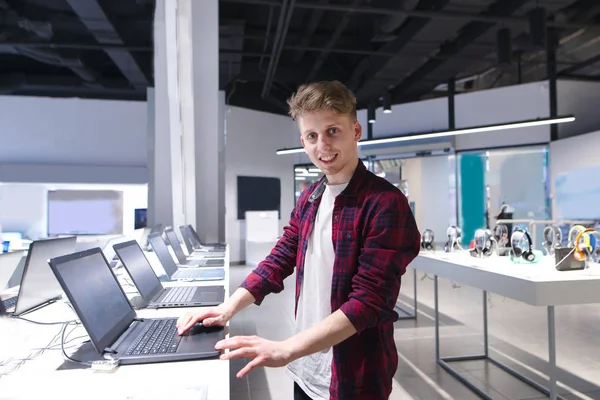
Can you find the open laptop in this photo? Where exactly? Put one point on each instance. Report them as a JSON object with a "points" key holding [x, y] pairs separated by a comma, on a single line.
{"points": [[111, 322], [8, 265], [38, 284], [109, 251], [152, 292], [208, 260], [172, 270], [193, 243]]}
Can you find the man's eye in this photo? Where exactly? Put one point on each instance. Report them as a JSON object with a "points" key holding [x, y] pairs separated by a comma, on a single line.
{"points": [[312, 136], [333, 130]]}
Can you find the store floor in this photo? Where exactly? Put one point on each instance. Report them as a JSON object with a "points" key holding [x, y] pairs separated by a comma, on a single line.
{"points": [[517, 337]]}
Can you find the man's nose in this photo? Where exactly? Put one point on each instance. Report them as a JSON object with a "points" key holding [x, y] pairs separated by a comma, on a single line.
{"points": [[324, 142]]}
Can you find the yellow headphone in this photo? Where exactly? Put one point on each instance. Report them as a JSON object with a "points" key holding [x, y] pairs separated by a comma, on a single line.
{"points": [[573, 233], [579, 252]]}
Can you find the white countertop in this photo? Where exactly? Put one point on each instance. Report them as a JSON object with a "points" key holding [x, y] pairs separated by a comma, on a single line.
{"points": [[39, 377], [537, 284]]}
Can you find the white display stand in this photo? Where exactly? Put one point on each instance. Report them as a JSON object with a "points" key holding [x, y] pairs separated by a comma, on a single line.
{"points": [[535, 284], [262, 233]]}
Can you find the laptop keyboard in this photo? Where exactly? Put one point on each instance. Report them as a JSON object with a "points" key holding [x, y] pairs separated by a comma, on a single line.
{"points": [[182, 273], [214, 263], [158, 337], [9, 303], [179, 295]]}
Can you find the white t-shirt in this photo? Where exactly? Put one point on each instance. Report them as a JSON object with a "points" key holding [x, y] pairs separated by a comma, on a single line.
{"points": [[313, 373]]}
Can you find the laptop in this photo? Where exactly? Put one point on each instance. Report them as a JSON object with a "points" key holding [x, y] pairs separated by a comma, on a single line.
{"points": [[193, 243], [152, 292], [8, 265], [209, 260], [38, 284], [111, 322], [172, 270], [109, 251]]}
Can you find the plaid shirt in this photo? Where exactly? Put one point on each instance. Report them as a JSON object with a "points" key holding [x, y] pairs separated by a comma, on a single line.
{"points": [[375, 237]]}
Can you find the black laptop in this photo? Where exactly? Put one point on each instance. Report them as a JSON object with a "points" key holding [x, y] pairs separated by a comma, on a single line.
{"points": [[111, 322], [207, 260], [172, 270], [153, 294], [38, 285]]}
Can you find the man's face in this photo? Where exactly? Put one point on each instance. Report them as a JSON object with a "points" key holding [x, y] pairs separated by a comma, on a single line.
{"points": [[330, 140]]}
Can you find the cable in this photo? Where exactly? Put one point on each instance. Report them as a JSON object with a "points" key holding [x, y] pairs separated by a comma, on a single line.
{"points": [[62, 346], [44, 323]]}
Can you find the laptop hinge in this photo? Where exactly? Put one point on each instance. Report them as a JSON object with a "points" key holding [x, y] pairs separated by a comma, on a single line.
{"points": [[110, 350], [139, 319]]}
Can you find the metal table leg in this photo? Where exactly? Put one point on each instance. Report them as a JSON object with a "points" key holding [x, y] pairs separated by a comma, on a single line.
{"points": [[552, 353], [408, 314], [444, 362]]}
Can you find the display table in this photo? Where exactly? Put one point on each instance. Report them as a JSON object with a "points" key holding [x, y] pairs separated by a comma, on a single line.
{"points": [[535, 284], [46, 374]]}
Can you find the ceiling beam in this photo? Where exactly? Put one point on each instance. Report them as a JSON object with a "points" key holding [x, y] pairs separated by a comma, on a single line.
{"points": [[99, 25], [467, 34], [447, 15], [369, 67], [340, 27], [584, 64]]}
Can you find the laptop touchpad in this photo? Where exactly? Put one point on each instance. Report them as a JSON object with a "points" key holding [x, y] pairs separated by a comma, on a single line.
{"points": [[201, 339]]}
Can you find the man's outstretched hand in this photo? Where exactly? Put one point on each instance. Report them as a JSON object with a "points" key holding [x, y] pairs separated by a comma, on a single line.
{"points": [[263, 352]]}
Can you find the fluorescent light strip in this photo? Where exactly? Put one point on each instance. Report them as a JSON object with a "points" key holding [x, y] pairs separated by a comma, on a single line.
{"points": [[464, 131]]}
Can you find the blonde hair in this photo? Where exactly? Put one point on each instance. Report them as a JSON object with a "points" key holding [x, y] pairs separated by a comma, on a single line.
{"points": [[324, 95]]}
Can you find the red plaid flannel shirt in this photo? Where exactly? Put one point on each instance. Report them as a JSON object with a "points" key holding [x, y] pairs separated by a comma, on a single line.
{"points": [[375, 237]]}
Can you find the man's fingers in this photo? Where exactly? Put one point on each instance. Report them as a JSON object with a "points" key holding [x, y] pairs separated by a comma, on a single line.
{"points": [[234, 342], [244, 352], [249, 367]]}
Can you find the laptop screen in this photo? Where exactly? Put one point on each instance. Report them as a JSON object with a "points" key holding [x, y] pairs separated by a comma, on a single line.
{"points": [[187, 240], [176, 245], [162, 252], [139, 269], [8, 264], [96, 295], [38, 285]]}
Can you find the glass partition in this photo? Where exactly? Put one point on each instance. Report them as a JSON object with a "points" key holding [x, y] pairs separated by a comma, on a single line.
{"points": [[512, 180]]}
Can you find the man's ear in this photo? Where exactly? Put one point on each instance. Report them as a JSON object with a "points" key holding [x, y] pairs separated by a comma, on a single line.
{"points": [[302, 140], [357, 131]]}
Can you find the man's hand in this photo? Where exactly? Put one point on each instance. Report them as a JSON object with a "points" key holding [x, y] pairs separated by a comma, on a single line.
{"points": [[210, 316], [263, 352]]}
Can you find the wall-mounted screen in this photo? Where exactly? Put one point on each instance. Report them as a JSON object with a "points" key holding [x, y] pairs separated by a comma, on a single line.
{"points": [[141, 219], [85, 212], [257, 193]]}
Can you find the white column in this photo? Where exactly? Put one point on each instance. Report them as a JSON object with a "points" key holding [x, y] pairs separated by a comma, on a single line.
{"points": [[209, 142], [186, 92], [160, 200], [173, 62]]}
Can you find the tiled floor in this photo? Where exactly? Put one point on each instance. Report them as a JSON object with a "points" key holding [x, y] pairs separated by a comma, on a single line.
{"points": [[517, 337]]}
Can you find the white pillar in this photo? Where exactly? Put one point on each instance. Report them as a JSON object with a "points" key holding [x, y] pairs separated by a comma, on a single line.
{"points": [[160, 200], [187, 179], [209, 141]]}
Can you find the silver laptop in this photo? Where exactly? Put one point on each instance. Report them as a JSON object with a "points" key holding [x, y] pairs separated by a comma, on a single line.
{"points": [[8, 265], [152, 292], [111, 322], [193, 243], [109, 251], [172, 270], [208, 260], [38, 284]]}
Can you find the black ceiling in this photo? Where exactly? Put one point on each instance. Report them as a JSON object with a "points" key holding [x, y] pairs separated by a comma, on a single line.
{"points": [[411, 48]]}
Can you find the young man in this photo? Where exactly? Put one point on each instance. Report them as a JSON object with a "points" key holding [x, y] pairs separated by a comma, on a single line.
{"points": [[350, 236]]}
